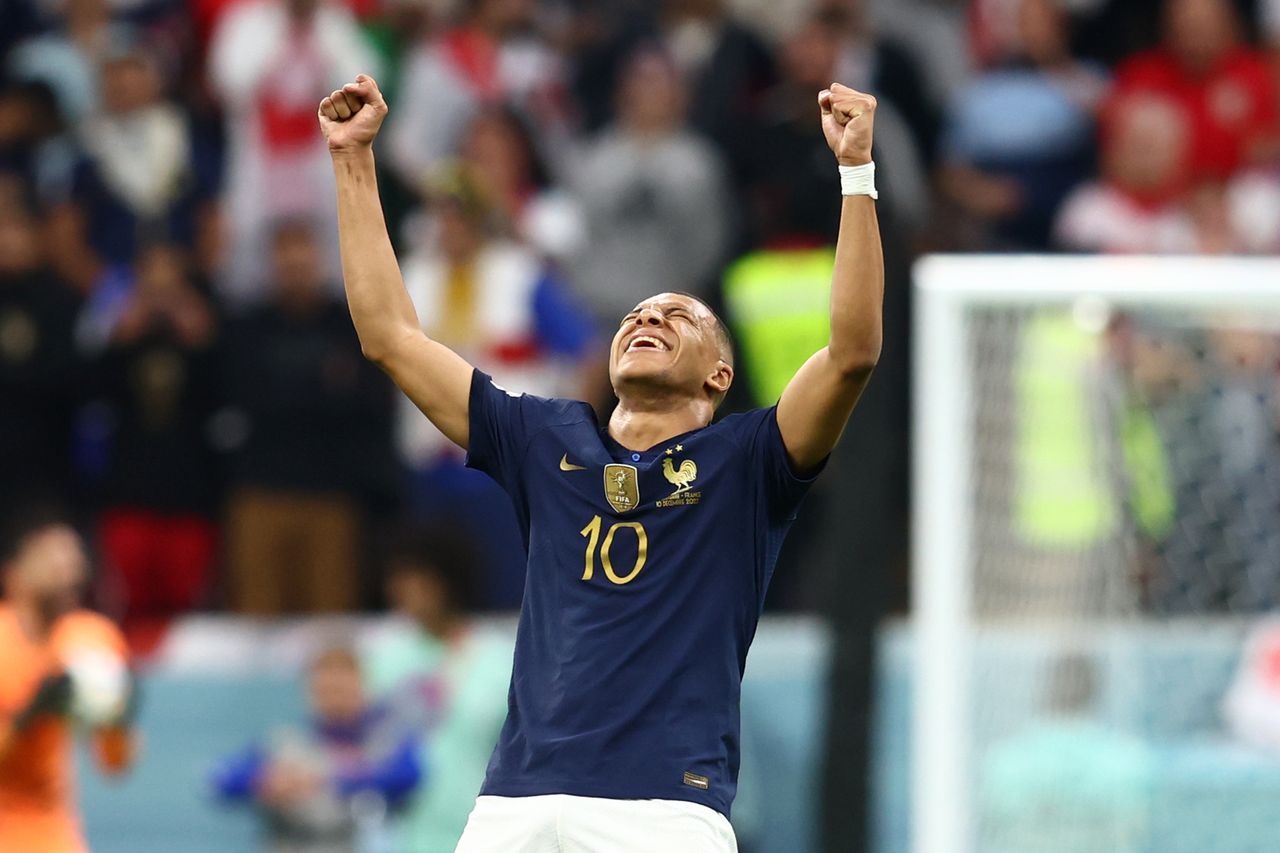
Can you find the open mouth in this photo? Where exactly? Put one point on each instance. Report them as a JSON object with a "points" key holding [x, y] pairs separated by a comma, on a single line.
{"points": [[646, 342]]}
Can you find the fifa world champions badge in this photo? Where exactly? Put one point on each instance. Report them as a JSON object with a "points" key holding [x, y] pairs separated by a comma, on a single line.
{"points": [[622, 487]]}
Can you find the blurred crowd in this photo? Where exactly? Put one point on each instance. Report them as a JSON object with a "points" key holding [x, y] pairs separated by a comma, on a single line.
{"points": [[398, 737], [176, 361]]}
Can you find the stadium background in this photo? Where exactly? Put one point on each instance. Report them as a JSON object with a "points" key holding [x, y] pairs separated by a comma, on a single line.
{"points": [[176, 368]]}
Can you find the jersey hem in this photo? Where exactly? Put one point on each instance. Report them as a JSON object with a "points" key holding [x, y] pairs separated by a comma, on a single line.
{"points": [[545, 788]]}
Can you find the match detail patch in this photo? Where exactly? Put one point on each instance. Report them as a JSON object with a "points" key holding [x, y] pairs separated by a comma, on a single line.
{"points": [[693, 780]]}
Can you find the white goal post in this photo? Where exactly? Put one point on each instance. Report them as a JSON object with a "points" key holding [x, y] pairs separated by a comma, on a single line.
{"points": [[948, 290]]}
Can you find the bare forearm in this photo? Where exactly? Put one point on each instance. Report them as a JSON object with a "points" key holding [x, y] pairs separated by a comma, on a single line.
{"points": [[380, 307], [857, 288], [817, 402], [434, 377]]}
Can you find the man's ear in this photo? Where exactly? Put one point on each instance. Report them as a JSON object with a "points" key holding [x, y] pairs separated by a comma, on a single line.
{"points": [[721, 378]]}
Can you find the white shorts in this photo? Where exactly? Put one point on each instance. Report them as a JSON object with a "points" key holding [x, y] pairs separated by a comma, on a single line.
{"points": [[560, 823]]}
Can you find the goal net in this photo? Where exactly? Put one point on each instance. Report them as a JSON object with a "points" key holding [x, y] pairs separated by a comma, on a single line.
{"points": [[1097, 553]]}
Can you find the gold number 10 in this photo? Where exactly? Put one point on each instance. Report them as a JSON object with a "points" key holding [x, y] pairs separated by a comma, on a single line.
{"points": [[592, 532]]}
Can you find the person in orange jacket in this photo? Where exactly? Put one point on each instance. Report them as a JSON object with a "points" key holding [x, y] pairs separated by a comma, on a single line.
{"points": [[65, 668]]}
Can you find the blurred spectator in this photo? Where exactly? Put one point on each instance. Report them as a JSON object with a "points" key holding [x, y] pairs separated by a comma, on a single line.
{"points": [[1223, 86], [795, 194], [1253, 205], [1067, 782], [159, 372], [1145, 201], [724, 63], [1020, 135], [445, 672], [495, 56], [500, 153], [496, 303], [993, 30], [270, 61], [396, 31], [63, 666], [38, 364], [317, 447], [137, 181], [67, 59], [873, 62], [936, 35], [326, 787], [35, 147], [1210, 405], [1135, 206], [720, 59], [794, 189], [654, 196], [1251, 707], [1209, 207]]}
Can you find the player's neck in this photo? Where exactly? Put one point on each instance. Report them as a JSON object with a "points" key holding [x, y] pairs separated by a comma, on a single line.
{"points": [[640, 425]]}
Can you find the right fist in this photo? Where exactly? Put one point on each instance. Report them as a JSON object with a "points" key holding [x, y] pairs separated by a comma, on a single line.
{"points": [[351, 116], [847, 116]]}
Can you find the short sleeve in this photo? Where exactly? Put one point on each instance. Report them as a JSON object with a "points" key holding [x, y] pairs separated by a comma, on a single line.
{"points": [[783, 487], [502, 423]]}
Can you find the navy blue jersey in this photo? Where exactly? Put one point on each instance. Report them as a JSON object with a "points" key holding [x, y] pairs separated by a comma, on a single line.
{"points": [[646, 577]]}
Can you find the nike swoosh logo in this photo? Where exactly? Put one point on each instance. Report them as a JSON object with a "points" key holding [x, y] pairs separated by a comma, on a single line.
{"points": [[566, 465]]}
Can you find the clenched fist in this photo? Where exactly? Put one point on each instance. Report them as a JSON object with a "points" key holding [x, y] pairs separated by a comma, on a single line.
{"points": [[847, 119], [351, 116]]}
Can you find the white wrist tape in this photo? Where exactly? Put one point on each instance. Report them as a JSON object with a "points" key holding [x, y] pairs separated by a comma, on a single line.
{"points": [[859, 180]]}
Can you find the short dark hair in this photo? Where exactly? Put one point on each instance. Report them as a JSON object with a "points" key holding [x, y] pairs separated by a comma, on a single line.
{"points": [[437, 551], [20, 524]]}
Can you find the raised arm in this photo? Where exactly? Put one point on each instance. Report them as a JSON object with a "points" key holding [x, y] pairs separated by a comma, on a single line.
{"points": [[816, 404], [433, 376]]}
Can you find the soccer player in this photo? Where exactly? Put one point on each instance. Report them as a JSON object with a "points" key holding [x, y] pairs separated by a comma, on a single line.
{"points": [[43, 636], [650, 540]]}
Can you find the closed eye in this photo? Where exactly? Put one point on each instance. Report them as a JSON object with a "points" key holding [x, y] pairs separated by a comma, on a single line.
{"points": [[668, 314]]}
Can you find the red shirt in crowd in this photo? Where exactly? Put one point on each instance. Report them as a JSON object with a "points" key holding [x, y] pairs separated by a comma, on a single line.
{"points": [[1228, 108]]}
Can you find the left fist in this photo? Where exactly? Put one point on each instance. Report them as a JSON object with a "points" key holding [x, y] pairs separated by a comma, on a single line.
{"points": [[847, 119]]}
